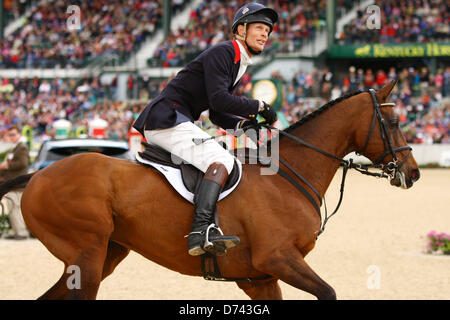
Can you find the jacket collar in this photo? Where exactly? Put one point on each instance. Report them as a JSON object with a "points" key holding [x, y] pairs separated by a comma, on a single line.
{"points": [[237, 51], [241, 54], [245, 59]]}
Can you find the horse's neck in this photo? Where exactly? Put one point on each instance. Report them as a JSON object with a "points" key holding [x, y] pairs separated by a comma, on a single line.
{"points": [[331, 131]]}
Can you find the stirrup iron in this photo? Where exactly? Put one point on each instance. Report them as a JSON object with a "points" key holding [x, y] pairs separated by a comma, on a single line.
{"points": [[209, 244]]}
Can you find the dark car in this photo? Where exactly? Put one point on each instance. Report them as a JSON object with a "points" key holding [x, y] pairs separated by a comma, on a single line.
{"points": [[54, 150]]}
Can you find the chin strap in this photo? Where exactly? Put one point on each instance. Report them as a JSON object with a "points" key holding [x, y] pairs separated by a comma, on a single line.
{"points": [[239, 37]]}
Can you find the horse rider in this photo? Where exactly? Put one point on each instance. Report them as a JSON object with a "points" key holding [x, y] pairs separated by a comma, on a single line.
{"points": [[207, 83]]}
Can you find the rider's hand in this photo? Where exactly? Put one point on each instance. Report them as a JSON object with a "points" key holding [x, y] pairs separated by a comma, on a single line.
{"points": [[268, 113]]}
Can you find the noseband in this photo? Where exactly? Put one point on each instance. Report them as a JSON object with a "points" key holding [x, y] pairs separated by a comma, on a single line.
{"points": [[392, 167]]}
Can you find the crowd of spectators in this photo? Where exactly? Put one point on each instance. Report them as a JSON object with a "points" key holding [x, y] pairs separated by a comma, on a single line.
{"points": [[401, 21], [209, 24], [422, 100], [40, 102], [300, 21], [13, 9], [106, 27], [118, 28]]}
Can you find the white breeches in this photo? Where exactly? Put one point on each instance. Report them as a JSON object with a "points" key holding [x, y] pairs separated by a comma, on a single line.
{"points": [[11, 205], [178, 141]]}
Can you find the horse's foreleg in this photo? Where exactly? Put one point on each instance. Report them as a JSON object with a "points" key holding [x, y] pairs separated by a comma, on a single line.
{"points": [[289, 266], [262, 290]]}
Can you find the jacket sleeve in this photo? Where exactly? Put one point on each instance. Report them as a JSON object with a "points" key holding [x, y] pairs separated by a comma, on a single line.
{"points": [[20, 160], [224, 120], [218, 66]]}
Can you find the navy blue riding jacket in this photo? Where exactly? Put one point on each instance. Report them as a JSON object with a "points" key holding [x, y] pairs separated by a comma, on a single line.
{"points": [[205, 83]]}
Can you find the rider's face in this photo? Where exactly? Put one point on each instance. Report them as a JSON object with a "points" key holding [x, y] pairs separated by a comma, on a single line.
{"points": [[257, 36]]}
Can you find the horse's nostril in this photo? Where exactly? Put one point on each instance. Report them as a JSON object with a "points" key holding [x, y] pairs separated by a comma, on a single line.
{"points": [[415, 174]]}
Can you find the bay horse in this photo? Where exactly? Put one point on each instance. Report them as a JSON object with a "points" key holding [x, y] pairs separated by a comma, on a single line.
{"points": [[90, 210]]}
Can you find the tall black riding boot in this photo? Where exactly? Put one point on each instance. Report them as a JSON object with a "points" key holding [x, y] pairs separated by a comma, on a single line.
{"points": [[205, 235]]}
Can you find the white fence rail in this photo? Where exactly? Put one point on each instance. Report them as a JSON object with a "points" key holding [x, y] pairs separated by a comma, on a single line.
{"points": [[423, 153]]}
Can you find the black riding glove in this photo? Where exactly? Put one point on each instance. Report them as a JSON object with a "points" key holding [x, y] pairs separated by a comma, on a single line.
{"points": [[268, 113]]}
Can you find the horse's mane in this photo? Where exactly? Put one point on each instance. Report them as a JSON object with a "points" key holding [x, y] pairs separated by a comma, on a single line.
{"points": [[326, 106]]}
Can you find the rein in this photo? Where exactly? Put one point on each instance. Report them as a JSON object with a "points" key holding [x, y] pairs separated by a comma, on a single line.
{"points": [[392, 167]]}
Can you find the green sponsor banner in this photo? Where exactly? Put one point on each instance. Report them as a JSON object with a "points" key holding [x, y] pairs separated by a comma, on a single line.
{"points": [[269, 91], [403, 50], [27, 132]]}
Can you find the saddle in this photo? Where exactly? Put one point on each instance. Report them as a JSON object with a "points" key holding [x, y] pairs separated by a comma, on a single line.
{"points": [[191, 177]]}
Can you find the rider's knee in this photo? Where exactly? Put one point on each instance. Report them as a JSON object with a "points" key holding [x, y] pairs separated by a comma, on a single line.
{"points": [[227, 161]]}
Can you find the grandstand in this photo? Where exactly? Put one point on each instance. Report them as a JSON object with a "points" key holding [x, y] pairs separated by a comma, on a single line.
{"points": [[124, 53]]}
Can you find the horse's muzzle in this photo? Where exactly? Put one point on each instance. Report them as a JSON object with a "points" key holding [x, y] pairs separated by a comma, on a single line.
{"points": [[405, 178], [415, 175]]}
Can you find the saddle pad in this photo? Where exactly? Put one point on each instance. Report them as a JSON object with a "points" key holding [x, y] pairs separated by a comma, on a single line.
{"points": [[174, 177]]}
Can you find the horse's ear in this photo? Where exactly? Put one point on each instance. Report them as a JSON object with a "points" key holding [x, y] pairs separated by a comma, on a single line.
{"points": [[384, 92]]}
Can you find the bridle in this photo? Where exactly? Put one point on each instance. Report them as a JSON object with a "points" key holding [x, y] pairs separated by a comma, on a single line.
{"points": [[388, 171], [392, 167]]}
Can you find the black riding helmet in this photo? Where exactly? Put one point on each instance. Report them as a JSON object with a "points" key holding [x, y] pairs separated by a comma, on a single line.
{"points": [[254, 12]]}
